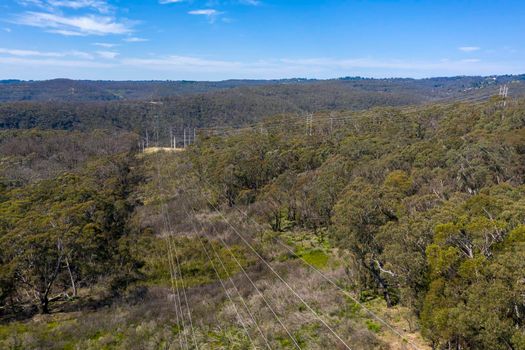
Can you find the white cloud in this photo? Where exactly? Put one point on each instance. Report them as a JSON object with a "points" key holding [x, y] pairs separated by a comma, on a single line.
{"points": [[211, 14], [108, 54], [302, 66], [187, 67], [79, 54], [39, 3], [52, 5], [82, 25], [16, 52], [182, 61], [135, 39], [109, 64], [206, 12], [105, 45], [8, 30], [250, 2], [99, 5], [164, 2], [31, 62], [469, 48], [35, 53], [65, 32]]}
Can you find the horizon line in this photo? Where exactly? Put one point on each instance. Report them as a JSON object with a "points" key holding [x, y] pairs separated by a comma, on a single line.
{"points": [[3, 80]]}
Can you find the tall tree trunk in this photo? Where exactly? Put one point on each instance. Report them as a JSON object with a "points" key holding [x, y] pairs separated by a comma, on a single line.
{"points": [[277, 221], [73, 285], [386, 294], [382, 283], [44, 304], [44, 296]]}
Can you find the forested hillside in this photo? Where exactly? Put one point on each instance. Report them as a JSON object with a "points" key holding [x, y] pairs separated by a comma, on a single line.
{"points": [[428, 202], [85, 90], [65, 202], [415, 214], [229, 103]]}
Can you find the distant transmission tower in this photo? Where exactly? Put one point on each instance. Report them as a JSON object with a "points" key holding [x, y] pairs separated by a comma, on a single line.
{"points": [[189, 136], [503, 93], [309, 124], [331, 123]]}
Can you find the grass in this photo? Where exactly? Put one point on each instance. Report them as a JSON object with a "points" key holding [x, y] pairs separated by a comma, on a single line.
{"points": [[372, 326], [13, 327], [228, 338], [115, 328], [308, 333], [315, 257], [349, 309], [194, 264], [151, 323], [313, 249]]}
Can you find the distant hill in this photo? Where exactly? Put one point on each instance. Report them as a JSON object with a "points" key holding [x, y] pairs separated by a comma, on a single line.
{"points": [[87, 90], [136, 106]]}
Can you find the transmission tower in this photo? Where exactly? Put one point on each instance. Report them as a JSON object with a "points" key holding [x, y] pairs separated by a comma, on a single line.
{"points": [[503, 93], [309, 124]]}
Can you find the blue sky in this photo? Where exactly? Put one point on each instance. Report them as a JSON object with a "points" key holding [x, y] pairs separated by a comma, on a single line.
{"points": [[259, 39]]}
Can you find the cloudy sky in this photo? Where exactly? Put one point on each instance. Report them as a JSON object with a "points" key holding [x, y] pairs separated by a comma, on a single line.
{"points": [[225, 39]]}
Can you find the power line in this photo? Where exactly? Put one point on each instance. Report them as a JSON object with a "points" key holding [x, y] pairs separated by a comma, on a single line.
{"points": [[260, 294], [172, 268], [233, 283], [172, 249], [279, 276], [229, 277], [257, 290], [220, 280], [171, 262], [183, 288], [226, 290], [189, 136], [329, 280], [242, 299], [174, 281], [355, 300], [309, 127], [296, 120]]}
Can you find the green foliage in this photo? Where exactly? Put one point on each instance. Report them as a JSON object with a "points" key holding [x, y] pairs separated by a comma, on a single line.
{"points": [[398, 181], [195, 267], [32, 155], [127, 105], [65, 233], [424, 204], [427, 202], [474, 261], [230, 338], [315, 257], [374, 327], [517, 235]]}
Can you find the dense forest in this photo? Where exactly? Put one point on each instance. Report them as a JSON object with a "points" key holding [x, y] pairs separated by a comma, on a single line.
{"points": [[229, 103], [429, 203], [415, 211], [65, 201], [86, 90]]}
